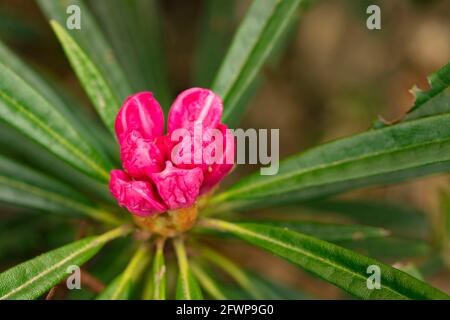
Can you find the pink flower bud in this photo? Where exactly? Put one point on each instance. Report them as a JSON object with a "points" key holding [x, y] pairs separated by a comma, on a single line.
{"points": [[138, 197], [140, 157], [179, 188], [217, 171], [195, 106], [140, 112], [157, 180]]}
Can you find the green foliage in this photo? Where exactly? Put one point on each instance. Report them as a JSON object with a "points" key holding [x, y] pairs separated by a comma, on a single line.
{"points": [[31, 279], [159, 273], [435, 100], [121, 287], [253, 43], [102, 96], [92, 41], [69, 155], [187, 286], [143, 55], [377, 157], [334, 264], [25, 109]]}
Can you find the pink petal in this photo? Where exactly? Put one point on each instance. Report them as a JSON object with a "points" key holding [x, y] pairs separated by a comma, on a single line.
{"points": [[140, 157], [186, 152], [217, 171], [195, 106], [178, 188], [140, 112], [138, 197]]}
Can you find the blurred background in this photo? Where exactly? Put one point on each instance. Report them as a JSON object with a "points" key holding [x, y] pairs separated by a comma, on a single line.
{"points": [[332, 78]]}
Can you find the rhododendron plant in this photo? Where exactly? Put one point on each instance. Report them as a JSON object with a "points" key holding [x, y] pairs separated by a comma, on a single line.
{"points": [[156, 180], [156, 175]]}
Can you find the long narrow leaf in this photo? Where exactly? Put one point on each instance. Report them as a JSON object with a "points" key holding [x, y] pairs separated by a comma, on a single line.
{"points": [[207, 283], [102, 96], [92, 41], [23, 108], [21, 149], [328, 231], [339, 266], [435, 100], [377, 157], [233, 270], [31, 279], [259, 33], [187, 286], [218, 19], [159, 273], [142, 55], [122, 286], [68, 106], [22, 186], [401, 219], [391, 247]]}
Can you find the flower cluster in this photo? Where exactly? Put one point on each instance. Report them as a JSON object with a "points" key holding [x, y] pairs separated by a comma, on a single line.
{"points": [[169, 172]]}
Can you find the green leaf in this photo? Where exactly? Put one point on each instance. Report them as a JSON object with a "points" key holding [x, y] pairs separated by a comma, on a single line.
{"points": [[341, 267], [327, 231], [156, 282], [143, 55], [377, 157], [433, 101], [159, 272], [23, 108], [105, 101], [70, 108], [207, 283], [113, 259], [402, 220], [24, 187], [233, 270], [31, 279], [187, 286], [21, 149], [257, 36], [91, 41], [392, 247], [122, 285], [215, 34]]}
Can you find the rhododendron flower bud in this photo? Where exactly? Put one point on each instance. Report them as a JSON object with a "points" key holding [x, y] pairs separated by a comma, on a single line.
{"points": [[155, 180], [140, 157], [217, 171], [178, 188], [140, 112], [195, 106], [139, 197]]}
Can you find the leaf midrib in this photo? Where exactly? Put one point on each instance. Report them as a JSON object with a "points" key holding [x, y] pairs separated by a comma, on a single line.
{"points": [[54, 135], [267, 50], [83, 249], [76, 52], [305, 253], [312, 169], [67, 202], [245, 62]]}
